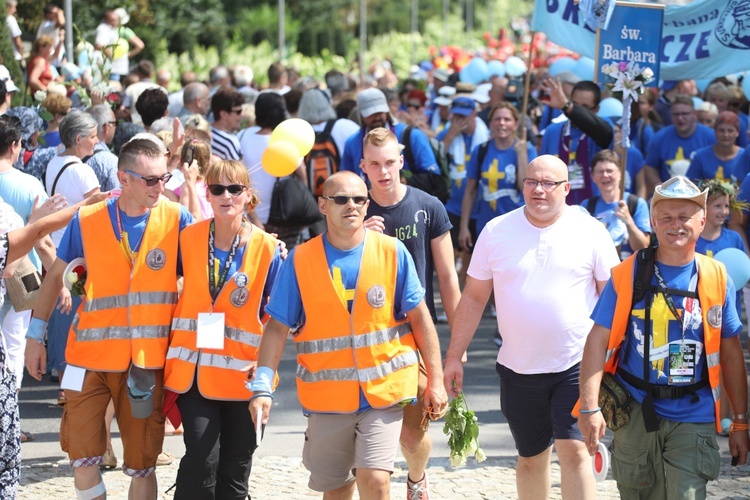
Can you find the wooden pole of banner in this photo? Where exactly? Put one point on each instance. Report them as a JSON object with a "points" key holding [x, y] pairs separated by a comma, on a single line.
{"points": [[526, 89]]}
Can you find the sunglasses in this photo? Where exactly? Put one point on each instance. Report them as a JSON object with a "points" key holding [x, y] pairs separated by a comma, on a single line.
{"points": [[343, 200], [218, 189], [151, 181]]}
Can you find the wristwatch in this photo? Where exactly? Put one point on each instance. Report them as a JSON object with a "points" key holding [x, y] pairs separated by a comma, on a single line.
{"points": [[568, 106]]}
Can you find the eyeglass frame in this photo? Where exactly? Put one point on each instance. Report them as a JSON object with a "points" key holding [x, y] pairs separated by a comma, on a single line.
{"points": [[150, 181], [542, 184]]}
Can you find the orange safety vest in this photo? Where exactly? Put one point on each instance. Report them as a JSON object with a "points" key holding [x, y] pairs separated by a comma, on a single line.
{"points": [[338, 352], [127, 310], [712, 283], [219, 375]]}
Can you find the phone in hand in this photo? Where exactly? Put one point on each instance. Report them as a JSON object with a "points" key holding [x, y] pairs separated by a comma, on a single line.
{"points": [[187, 156]]}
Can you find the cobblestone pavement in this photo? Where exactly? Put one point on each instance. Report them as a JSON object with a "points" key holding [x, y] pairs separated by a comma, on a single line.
{"points": [[286, 478]]}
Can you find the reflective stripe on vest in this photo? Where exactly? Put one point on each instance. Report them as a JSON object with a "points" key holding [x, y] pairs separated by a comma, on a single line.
{"points": [[236, 334], [131, 299], [207, 359], [363, 375], [362, 340], [119, 332]]}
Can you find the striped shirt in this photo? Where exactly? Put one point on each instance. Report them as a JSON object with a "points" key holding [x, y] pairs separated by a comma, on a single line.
{"points": [[225, 145]]}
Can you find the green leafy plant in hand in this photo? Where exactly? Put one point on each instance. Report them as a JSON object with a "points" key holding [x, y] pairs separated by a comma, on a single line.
{"points": [[462, 430]]}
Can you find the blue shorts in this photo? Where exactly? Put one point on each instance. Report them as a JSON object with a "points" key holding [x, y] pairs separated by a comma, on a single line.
{"points": [[538, 407]]}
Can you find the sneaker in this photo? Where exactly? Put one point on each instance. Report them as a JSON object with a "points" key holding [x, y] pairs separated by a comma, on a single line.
{"points": [[164, 458], [419, 490]]}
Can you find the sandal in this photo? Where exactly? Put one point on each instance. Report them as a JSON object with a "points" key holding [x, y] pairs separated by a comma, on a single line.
{"points": [[26, 437], [109, 460], [61, 398], [164, 458]]}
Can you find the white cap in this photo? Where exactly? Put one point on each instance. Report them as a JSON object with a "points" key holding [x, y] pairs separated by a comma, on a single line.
{"points": [[482, 93], [5, 76]]}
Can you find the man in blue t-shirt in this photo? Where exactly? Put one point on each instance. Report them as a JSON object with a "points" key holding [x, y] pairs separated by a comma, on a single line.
{"points": [[672, 147], [353, 267], [667, 348]]}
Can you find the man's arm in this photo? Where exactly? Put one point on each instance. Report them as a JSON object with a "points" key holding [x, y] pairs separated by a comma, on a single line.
{"points": [[467, 316], [269, 356], [427, 342], [652, 178], [734, 378], [35, 354], [137, 45], [592, 425], [467, 207], [442, 258]]}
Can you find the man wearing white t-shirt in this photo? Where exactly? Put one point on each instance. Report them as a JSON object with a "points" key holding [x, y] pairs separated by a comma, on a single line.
{"points": [[14, 31], [547, 263], [54, 21]]}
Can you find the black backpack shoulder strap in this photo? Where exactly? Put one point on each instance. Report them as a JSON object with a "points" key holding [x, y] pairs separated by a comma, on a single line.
{"points": [[644, 271], [329, 127], [591, 205], [632, 203], [406, 141], [57, 178], [481, 155]]}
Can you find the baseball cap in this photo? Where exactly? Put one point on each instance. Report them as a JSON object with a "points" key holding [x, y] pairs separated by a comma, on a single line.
{"points": [[463, 106], [568, 77], [482, 93], [5, 76], [371, 101], [679, 188], [123, 15], [440, 74], [669, 85]]}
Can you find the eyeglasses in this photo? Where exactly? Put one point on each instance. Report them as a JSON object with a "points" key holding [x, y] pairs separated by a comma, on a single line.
{"points": [[343, 200], [218, 189], [546, 185], [151, 181], [236, 111]]}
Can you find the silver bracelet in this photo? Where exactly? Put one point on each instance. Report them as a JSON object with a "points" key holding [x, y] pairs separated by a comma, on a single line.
{"points": [[590, 412]]}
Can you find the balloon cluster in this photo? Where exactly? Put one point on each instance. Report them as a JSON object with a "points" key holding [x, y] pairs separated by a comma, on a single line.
{"points": [[290, 141]]}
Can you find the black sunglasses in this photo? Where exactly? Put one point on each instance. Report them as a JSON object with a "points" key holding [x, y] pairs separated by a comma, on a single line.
{"points": [[343, 200], [151, 181], [218, 189]]}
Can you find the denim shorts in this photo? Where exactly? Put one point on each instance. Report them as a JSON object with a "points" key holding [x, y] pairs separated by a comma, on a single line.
{"points": [[538, 407]]}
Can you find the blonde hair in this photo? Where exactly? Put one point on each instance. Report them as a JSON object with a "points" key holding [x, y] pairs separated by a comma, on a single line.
{"points": [[379, 137], [57, 104], [233, 171]]}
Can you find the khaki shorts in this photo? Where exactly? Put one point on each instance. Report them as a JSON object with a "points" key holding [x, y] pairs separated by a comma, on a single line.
{"points": [[82, 429], [336, 445], [414, 414]]}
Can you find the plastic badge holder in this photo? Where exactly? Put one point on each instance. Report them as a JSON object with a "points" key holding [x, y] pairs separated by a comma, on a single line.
{"points": [[601, 463], [140, 386]]}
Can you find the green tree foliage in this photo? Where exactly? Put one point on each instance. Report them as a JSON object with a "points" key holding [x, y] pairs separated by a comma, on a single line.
{"points": [[6, 54]]}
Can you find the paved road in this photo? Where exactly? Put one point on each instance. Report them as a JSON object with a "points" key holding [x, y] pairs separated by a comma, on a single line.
{"points": [[277, 470]]}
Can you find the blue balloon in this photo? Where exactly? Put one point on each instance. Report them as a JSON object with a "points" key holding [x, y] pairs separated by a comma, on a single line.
{"points": [[514, 66], [610, 107], [702, 84], [562, 64], [475, 72], [737, 264], [584, 68], [495, 68]]}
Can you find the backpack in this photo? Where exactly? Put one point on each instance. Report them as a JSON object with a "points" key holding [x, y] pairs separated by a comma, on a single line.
{"points": [[436, 185], [323, 160]]}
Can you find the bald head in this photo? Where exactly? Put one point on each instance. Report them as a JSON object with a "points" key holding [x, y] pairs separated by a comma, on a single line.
{"points": [[344, 180], [557, 168]]}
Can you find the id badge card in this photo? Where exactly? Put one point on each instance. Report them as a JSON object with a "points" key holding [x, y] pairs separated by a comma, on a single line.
{"points": [[210, 331], [575, 175], [681, 363]]}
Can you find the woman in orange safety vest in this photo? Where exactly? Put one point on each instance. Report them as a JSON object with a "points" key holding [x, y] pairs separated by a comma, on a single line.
{"points": [[228, 266]]}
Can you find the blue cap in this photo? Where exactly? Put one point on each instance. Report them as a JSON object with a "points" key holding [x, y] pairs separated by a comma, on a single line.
{"points": [[669, 85], [463, 106]]}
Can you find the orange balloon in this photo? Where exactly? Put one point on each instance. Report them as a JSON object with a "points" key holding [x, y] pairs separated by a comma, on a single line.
{"points": [[280, 158], [297, 131]]}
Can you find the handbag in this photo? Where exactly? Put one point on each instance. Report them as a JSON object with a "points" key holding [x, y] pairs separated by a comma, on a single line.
{"points": [[614, 400], [292, 204], [24, 285]]}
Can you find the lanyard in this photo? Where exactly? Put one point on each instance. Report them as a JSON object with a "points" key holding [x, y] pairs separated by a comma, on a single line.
{"points": [[689, 301], [214, 287], [123, 236]]}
